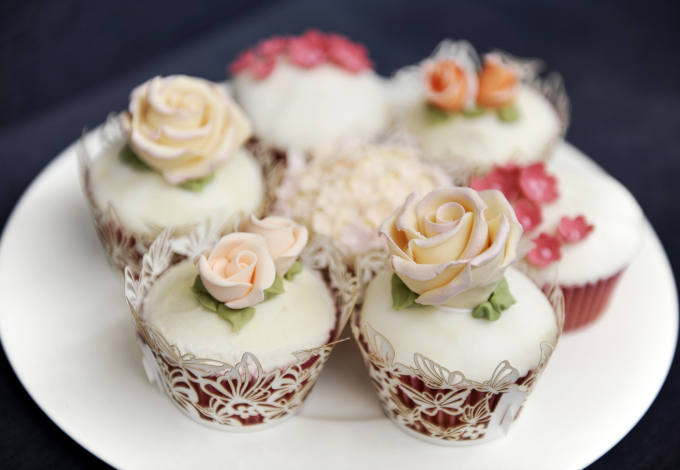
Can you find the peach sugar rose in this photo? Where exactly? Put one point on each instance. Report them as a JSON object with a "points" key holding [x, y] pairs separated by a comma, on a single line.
{"points": [[183, 127], [498, 82], [452, 247], [450, 85]]}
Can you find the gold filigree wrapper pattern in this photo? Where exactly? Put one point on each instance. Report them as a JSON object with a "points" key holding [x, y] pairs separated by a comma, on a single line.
{"points": [[123, 246], [241, 396], [440, 406]]}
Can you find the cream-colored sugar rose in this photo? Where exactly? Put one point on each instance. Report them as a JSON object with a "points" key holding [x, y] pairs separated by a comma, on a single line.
{"points": [[238, 270], [453, 246], [183, 126], [285, 238]]}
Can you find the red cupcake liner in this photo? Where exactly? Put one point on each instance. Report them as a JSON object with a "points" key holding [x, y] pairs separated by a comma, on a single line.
{"points": [[584, 304]]}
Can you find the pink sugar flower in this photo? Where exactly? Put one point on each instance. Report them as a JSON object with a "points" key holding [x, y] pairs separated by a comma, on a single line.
{"points": [[347, 54], [574, 229], [262, 67], [537, 185], [503, 178], [273, 46], [546, 250], [528, 214], [244, 60], [306, 53]]}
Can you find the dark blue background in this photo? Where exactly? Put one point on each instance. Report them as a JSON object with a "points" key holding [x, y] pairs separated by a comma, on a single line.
{"points": [[65, 65]]}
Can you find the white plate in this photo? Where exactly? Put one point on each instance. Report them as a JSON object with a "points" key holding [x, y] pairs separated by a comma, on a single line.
{"points": [[70, 338]]}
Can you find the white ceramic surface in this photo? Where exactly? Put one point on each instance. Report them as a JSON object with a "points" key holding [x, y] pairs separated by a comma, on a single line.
{"points": [[70, 338]]}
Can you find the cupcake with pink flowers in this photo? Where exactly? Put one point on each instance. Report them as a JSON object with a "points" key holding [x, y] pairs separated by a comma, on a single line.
{"points": [[174, 157], [237, 332], [454, 337], [585, 227], [312, 90], [474, 113]]}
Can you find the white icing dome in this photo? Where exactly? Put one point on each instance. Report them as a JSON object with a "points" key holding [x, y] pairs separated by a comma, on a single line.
{"points": [[302, 108], [586, 189], [458, 341], [144, 197], [303, 317]]}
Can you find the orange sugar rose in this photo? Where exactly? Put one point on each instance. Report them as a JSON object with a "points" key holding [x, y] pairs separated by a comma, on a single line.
{"points": [[498, 82], [447, 85]]}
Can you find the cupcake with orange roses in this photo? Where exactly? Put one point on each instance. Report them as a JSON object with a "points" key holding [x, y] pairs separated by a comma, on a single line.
{"points": [[470, 114], [454, 338], [585, 228], [174, 157], [237, 331], [310, 90]]}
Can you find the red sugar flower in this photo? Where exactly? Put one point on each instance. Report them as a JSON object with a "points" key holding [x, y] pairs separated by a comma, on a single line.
{"points": [[347, 54], [537, 185], [261, 67], [503, 178], [306, 53], [528, 214], [242, 62], [575, 229], [546, 250], [273, 46]]}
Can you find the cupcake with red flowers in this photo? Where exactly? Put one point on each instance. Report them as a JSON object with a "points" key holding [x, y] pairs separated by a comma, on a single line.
{"points": [[454, 338], [237, 332], [174, 157], [585, 227], [475, 113], [310, 90]]}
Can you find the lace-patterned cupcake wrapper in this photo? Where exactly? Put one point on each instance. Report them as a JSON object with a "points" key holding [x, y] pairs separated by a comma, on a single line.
{"points": [[122, 245], [584, 304], [241, 396], [444, 407]]}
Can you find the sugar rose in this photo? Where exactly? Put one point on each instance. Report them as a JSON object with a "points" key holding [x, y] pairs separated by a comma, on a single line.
{"points": [[238, 270], [449, 84], [498, 82], [183, 127], [453, 246], [285, 239]]}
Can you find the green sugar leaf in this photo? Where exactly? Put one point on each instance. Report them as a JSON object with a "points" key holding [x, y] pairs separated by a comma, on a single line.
{"points": [[294, 270], [131, 159], [197, 184], [508, 113], [474, 111], [275, 289], [501, 298], [238, 318], [402, 296], [437, 115]]}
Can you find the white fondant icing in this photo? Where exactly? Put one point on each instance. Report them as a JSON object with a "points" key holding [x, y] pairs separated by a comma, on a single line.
{"points": [[144, 197], [302, 108], [585, 189], [482, 141], [300, 318], [457, 340]]}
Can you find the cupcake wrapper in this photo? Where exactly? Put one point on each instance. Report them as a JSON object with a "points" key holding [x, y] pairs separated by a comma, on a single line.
{"points": [[125, 247], [584, 304], [241, 396], [444, 407]]}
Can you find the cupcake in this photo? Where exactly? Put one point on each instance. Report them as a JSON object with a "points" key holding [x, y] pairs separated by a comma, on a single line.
{"points": [[472, 114], [237, 332], [586, 228], [310, 90], [174, 157], [452, 335], [346, 194]]}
